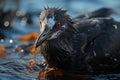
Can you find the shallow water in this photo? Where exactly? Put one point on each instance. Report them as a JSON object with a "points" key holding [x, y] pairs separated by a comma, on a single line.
{"points": [[14, 66]]}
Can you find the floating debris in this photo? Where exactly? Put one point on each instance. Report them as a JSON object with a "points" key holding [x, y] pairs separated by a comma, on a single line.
{"points": [[3, 51], [29, 37]]}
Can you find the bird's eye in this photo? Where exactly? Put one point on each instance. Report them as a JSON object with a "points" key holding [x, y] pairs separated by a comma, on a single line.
{"points": [[57, 24]]}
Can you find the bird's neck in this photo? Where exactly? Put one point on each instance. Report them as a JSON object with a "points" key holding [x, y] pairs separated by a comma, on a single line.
{"points": [[58, 50]]}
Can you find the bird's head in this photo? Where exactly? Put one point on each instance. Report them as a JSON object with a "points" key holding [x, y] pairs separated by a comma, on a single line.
{"points": [[53, 21]]}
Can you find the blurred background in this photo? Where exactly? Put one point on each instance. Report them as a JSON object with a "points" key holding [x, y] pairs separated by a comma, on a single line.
{"points": [[20, 18], [20, 13]]}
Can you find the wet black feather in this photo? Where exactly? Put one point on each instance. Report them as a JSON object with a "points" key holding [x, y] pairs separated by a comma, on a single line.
{"points": [[83, 49]]}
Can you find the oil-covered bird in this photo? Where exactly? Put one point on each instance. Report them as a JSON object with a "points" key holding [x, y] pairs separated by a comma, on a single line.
{"points": [[88, 43]]}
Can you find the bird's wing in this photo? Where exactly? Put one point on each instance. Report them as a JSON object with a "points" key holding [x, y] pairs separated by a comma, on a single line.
{"points": [[94, 40], [97, 35], [100, 13]]}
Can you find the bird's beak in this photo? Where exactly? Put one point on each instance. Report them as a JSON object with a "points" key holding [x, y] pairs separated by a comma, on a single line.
{"points": [[43, 37]]}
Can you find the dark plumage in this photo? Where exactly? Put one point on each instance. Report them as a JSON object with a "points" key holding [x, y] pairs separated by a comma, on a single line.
{"points": [[102, 12], [86, 45]]}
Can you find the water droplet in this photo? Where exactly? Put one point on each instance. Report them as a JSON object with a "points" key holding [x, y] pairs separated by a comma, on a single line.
{"points": [[115, 26], [6, 23], [94, 53], [24, 21], [115, 59], [1, 40], [18, 13], [21, 50], [11, 41], [44, 64], [107, 54]]}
